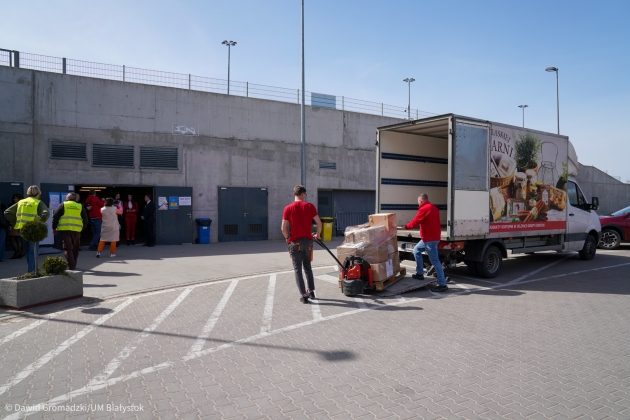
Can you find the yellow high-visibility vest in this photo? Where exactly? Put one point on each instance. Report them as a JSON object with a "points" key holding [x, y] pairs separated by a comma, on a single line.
{"points": [[26, 211], [71, 218]]}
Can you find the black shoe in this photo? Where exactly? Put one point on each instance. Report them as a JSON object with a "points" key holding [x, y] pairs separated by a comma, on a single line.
{"points": [[304, 299], [417, 276], [311, 294], [440, 289]]}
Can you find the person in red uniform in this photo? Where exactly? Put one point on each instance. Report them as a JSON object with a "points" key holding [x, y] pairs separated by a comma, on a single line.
{"points": [[297, 219], [428, 218], [130, 209], [93, 205]]}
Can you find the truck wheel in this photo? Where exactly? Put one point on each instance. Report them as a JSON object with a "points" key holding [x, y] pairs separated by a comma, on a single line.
{"points": [[610, 239], [490, 265], [590, 247]]}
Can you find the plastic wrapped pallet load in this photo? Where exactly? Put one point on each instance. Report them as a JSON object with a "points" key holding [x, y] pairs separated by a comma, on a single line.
{"points": [[376, 243]]}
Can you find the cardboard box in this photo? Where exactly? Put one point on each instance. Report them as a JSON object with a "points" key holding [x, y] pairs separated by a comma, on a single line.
{"points": [[366, 233], [388, 220], [383, 271], [372, 253]]}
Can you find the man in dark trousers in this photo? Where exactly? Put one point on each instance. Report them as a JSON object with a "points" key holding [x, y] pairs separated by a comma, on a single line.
{"points": [[428, 218], [69, 220], [297, 219], [93, 204], [148, 217]]}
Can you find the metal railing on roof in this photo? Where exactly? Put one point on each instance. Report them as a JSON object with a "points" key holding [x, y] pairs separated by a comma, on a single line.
{"points": [[123, 73]]}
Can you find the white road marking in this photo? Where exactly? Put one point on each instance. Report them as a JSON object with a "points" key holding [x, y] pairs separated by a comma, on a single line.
{"points": [[315, 309], [538, 270], [400, 298], [328, 279], [23, 330], [268, 313], [168, 364], [360, 303], [212, 321], [129, 349], [33, 367]]}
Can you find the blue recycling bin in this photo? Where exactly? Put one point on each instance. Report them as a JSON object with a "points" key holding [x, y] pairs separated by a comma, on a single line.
{"points": [[203, 230]]}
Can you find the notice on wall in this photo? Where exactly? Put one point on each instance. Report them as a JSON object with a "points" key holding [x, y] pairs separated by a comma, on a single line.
{"points": [[173, 203], [54, 201], [185, 201], [162, 203]]}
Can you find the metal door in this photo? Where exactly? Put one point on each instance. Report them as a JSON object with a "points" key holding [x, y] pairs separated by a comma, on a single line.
{"points": [[7, 189], [243, 214], [173, 218]]}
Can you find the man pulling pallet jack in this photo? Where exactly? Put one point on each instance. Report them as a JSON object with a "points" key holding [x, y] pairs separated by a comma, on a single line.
{"points": [[428, 218]]}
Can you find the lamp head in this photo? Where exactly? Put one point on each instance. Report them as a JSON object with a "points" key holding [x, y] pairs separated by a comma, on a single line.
{"points": [[229, 43], [523, 106], [552, 69]]}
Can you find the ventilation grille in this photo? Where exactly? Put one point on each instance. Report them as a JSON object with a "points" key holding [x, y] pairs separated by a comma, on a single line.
{"points": [[327, 165], [255, 228], [230, 229], [67, 150], [112, 155], [159, 157]]}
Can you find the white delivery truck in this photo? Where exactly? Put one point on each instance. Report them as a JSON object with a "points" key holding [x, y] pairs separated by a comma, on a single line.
{"points": [[499, 188]]}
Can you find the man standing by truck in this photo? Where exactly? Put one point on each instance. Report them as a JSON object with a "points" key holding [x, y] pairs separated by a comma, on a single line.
{"points": [[297, 219], [428, 218], [69, 220]]}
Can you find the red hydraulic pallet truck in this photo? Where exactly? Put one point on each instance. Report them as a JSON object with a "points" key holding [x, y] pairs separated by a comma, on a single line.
{"points": [[355, 274]]}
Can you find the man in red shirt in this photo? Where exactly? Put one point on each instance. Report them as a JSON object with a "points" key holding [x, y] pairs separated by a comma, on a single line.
{"points": [[297, 219], [93, 205], [428, 218]]}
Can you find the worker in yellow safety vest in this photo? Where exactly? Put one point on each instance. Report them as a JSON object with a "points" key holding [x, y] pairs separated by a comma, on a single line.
{"points": [[28, 210], [69, 220]]}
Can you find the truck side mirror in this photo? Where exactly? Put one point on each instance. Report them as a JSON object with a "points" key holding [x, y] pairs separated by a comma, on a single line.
{"points": [[595, 203]]}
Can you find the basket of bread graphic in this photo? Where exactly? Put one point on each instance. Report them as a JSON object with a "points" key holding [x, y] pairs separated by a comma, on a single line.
{"points": [[502, 169]]}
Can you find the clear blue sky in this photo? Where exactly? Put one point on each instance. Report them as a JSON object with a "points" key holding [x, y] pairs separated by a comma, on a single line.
{"points": [[478, 58]]}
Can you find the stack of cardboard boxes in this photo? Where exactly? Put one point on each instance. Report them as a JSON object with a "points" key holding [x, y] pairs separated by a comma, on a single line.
{"points": [[376, 243]]}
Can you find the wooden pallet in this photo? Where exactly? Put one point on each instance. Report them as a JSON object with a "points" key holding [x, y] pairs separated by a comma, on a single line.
{"points": [[379, 286]]}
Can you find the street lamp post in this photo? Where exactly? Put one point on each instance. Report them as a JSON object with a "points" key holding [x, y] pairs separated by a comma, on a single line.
{"points": [[303, 115], [409, 80], [523, 108], [229, 44], [555, 70]]}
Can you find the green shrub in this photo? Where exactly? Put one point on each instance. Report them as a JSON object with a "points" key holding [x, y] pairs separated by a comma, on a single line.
{"points": [[34, 231], [55, 265]]}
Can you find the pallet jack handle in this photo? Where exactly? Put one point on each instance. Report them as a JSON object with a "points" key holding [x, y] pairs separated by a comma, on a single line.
{"points": [[321, 243]]}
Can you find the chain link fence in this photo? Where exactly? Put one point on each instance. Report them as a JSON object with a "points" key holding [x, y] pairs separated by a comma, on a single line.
{"points": [[12, 58]]}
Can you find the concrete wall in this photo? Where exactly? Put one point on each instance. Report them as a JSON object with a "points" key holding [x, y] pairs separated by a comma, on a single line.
{"points": [[240, 142], [613, 194]]}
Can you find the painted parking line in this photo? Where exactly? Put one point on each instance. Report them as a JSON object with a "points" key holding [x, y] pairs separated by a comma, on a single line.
{"points": [[538, 270], [168, 364], [29, 327], [33, 367], [315, 310], [113, 365], [268, 312], [212, 321], [328, 279]]}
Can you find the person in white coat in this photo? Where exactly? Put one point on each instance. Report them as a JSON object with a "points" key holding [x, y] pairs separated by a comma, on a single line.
{"points": [[110, 229]]}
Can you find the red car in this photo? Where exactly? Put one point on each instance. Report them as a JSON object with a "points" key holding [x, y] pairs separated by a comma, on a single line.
{"points": [[615, 229]]}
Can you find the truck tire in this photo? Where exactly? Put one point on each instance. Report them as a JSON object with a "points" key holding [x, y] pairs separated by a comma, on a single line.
{"points": [[610, 239], [491, 264], [589, 249]]}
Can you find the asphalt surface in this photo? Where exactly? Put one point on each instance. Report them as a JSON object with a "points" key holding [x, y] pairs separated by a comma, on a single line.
{"points": [[218, 332]]}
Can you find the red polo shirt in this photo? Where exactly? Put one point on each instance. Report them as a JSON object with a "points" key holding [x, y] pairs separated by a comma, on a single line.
{"points": [[300, 216]]}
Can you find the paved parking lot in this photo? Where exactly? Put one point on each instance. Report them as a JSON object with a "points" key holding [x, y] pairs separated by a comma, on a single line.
{"points": [[547, 339]]}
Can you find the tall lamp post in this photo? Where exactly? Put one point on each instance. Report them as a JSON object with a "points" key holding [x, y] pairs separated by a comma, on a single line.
{"points": [[409, 80], [555, 70], [523, 108], [303, 115], [229, 44]]}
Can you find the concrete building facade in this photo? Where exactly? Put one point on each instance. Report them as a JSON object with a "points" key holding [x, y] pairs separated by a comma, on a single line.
{"points": [[220, 140]]}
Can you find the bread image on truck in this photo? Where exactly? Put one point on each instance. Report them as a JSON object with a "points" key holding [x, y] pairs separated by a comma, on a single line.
{"points": [[499, 188]]}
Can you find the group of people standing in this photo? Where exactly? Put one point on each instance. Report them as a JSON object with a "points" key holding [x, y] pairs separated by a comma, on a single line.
{"points": [[106, 218]]}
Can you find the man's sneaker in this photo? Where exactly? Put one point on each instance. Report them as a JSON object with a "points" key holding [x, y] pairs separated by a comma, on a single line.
{"points": [[417, 276], [98, 255], [304, 299], [311, 294], [440, 289]]}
